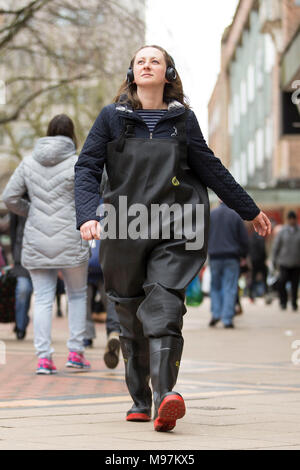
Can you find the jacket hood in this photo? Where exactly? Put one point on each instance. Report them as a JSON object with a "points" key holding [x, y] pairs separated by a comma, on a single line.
{"points": [[49, 151]]}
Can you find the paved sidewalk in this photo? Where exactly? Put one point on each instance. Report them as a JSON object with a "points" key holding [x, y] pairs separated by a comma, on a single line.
{"points": [[241, 389]]}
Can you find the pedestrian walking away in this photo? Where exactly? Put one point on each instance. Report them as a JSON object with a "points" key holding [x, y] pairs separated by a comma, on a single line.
{"points": [[51, 243], [96, 283], [94, 277], [258, 257], [24, 284], [286, 256], [153, 150], [228, 243]]}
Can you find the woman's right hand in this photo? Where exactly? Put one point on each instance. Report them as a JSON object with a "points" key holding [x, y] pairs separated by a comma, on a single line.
{"points": [[90, 230], [262, 224]]}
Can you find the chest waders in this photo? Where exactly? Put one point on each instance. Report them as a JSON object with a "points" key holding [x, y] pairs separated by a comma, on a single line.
{"points": [[146, 277]]}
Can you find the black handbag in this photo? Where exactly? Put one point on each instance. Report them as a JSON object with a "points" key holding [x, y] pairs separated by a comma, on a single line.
{"points": [[7, 295]]}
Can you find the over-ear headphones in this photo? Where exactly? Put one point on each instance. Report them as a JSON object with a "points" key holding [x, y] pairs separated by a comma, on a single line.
{"points": [[130, 76], [171, 73]]}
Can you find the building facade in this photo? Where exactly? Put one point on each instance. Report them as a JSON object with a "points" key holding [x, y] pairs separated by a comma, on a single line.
{"points": [[254, 110]]}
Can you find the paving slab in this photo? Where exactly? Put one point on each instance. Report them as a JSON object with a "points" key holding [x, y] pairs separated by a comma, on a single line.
{"points": [[241, 389]]}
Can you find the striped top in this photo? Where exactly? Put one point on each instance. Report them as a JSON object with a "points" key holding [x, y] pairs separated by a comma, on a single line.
{"points": [[151, 116]]}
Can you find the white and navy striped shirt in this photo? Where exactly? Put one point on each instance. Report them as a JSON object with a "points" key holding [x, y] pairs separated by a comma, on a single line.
{"points": [[151, 116]]}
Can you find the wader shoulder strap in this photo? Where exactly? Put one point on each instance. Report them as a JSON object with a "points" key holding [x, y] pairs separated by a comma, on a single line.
{"points": [[127, 132]]}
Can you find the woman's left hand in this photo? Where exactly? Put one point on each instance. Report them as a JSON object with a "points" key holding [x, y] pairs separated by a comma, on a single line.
{"points": [[262, 224]]}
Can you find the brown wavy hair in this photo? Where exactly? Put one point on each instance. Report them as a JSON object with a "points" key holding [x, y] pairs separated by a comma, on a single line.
{"points": [[62, 124], [172, 91]]}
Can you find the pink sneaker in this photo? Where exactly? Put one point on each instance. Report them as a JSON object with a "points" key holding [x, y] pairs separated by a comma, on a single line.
{"points": [[46, 367], [77, 360]]}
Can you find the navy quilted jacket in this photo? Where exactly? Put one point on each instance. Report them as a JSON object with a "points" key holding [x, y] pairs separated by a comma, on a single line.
{"points": [[109, 125]]}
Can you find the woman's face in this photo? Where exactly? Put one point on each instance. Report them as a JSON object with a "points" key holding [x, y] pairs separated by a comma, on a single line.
{"points": [[149, 67]]}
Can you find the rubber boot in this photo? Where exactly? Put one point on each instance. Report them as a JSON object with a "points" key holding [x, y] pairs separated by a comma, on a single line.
{"points": [[165, 356], [137, 375]]}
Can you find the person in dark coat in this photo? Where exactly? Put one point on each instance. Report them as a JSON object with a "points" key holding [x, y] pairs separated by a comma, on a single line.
{"points": [[228, 244], [24, 285], [96, 284], [155, 155], [258, 256], [286, 256]]}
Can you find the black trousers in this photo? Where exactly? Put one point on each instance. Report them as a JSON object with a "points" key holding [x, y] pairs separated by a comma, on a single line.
{"points": [[292, 275], [258, 269]]}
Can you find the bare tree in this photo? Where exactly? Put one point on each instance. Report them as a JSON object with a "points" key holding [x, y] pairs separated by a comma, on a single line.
{"points": [[61, 56], [18, 20], [62, 42]]}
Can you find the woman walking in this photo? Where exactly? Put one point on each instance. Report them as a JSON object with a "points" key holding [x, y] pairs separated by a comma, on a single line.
{"points": [[154, 153], [51, 242]]}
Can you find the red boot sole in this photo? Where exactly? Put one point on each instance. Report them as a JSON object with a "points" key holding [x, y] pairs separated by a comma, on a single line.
{"points": [[138, 417], [171, 409]]}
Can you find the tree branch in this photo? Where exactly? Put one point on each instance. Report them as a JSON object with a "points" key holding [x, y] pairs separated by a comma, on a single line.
{"points": [[14, 144], [21, 20], [15, 114], [22, 78], [17, 12]]}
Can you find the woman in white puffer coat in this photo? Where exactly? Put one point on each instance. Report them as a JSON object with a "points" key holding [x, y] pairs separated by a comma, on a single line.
{"points": [[51, 242]]}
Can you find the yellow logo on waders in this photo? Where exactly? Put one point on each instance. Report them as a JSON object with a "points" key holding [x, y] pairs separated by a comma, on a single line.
{"points": [[177, 363], [175, 181]]}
